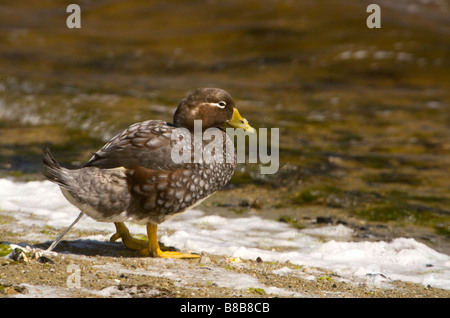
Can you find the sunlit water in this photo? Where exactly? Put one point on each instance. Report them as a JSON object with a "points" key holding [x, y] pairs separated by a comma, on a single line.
{"points": [[364, 114]]}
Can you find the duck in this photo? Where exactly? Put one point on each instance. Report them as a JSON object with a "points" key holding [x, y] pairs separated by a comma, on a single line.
{"points": [[138, 176]]}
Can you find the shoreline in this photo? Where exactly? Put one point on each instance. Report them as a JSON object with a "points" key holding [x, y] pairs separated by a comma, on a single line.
{"points": [[211, 277], [110, 270]]}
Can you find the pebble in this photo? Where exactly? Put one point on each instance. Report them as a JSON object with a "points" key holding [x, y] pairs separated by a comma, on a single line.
{"points": [[20, 289], [205, 260], [244, 204], [18, 255], [233, 260], [324, 220], [257, 204], [45, 260]]}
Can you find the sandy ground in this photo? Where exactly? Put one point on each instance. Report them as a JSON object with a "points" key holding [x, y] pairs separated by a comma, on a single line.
{"points": [[75, 275], [103, 269]]}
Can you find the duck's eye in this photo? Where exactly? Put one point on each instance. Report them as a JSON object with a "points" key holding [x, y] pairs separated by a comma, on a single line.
{"points": [[220, 104]]}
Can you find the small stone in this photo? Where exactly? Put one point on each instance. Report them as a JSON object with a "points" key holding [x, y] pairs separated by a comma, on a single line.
{"points": [[257, 204], [244, 204], [45, 260], [9, 291], [324, 220], [258, 259], [19, 255], [233, 260], [20, 289], [205, 260]]}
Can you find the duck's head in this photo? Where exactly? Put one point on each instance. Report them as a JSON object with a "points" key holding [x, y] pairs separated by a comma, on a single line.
{"points": [[213, 106]]}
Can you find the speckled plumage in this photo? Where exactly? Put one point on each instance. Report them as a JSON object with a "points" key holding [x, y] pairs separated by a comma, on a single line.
{"points": [[133, 177]]}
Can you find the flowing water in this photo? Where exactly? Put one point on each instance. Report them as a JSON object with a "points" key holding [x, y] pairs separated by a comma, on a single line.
{"points": [[364, 114]]}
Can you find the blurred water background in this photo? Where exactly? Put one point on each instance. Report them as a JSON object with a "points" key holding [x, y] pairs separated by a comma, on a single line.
{"points": [[364, 114]]}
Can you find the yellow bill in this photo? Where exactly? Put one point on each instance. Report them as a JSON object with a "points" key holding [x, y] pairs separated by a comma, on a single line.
{"points": [[238, 122]]}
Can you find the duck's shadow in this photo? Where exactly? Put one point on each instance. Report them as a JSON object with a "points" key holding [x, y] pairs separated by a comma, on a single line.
{"points": [[87, 247]]}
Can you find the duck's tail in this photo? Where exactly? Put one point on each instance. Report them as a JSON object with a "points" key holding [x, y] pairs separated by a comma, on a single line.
{"points": [[100, 193], [52, 170]]}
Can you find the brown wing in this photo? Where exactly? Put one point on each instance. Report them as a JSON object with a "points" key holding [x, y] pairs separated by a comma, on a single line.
{"points": [[159, 187], [147, 144], [159, 194]]}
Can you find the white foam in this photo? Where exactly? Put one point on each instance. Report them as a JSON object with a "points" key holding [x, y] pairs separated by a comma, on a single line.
{"points": [[328, 247]]}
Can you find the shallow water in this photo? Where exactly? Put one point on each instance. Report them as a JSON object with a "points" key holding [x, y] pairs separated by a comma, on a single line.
{"points": [[364, 114]]}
